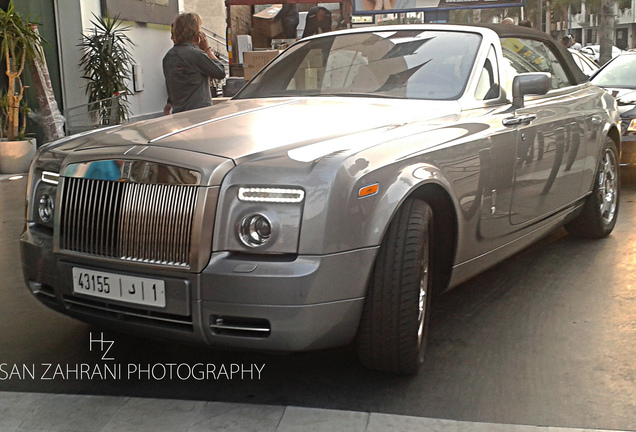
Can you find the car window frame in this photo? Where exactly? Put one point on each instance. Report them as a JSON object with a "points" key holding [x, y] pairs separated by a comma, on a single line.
{"points": [[496, 72], [555, 53]]}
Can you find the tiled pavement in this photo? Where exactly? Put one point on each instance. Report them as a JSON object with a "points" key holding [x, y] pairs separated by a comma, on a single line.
{"points": [[20, 412]]}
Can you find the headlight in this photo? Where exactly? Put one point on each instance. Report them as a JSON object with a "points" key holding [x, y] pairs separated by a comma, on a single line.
{"points": [[632, 126], [259, 219], [271, 195], [46, 207], [50, 177], [255, 230], [43, 190]]}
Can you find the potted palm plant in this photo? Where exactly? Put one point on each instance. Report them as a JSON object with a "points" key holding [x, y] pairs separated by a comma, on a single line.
{"points": [[19, 40], [107, 64]]}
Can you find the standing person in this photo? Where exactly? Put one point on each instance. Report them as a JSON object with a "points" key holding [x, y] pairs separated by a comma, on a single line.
{"points": [[289, 19], [189, 65], [566, 41], [318, 21]]}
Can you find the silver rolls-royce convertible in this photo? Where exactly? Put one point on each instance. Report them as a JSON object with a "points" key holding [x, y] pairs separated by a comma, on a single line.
{"points": [[357, 175]]}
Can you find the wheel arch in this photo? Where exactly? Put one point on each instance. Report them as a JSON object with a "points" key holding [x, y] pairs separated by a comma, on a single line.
{"points": [[445, 229], [615, 135]]}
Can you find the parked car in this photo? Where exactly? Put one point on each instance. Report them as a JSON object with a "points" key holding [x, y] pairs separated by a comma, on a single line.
{"points": [[356, 176], [594, 52], [587, 65], [618, 76]]}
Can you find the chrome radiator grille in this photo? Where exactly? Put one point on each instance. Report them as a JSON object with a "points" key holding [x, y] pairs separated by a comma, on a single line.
{"points": [[149, 223]]}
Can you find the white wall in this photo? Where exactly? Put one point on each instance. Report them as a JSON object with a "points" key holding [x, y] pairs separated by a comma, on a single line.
{"points": [[212, 13], [151, 43]]}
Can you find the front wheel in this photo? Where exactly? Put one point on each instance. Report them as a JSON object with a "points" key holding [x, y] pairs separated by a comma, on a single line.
{"points": [[394, 323], [600, 211]]}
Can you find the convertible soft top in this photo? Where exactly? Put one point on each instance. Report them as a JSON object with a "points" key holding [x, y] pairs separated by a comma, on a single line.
{"points": [[504, 30]]}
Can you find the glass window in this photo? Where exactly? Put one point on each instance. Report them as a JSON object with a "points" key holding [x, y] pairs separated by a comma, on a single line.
{"points": [[413, 64], [618, 73], [488, 84], [527, 55]]}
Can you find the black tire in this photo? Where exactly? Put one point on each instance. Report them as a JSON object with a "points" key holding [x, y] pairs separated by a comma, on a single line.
{"points": [[394, 323], [600, 211]]}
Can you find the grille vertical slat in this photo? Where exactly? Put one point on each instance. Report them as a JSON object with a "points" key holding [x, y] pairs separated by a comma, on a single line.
{"points": [[181, 239], [113, 217], [135, 226], [95, 214], [166, 221], [137, 222], [171, 231], [104, 225], [77, 218], [155, 219], [103, 197], [84, 213], [189, 216], [125, 227]]}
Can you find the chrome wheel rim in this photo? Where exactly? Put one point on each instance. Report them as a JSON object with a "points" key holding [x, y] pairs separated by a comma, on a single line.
{"points": [[608, 186]]}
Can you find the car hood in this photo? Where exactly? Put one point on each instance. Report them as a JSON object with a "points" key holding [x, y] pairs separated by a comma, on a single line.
{"points": [[241, 129], [626, 101]]}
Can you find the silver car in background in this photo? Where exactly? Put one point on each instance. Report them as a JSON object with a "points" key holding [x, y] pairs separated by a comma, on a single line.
{"points": [[358, 175], [618, 77]]}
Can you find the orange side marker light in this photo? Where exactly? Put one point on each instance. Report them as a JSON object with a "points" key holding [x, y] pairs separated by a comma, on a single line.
{"points": [[368, 190]]}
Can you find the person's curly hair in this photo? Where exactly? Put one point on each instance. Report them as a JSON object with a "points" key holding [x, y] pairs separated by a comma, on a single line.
{"points": [[186, 27]]}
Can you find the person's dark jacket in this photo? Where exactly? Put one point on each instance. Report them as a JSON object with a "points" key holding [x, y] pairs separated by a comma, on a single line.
{"points": [[313, 26], [289, 18], [187, 70]]}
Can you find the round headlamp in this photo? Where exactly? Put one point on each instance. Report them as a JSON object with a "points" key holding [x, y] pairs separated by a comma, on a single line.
{"points": [[45, 208], [255, 230]]}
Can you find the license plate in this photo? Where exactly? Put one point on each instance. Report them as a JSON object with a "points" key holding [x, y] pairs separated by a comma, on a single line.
{"points": [[111, 286]]}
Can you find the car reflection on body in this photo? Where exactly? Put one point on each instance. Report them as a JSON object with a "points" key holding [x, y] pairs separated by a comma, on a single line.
{"points": [[587, 65], [357, 175], [618, 76], [594, 52]]}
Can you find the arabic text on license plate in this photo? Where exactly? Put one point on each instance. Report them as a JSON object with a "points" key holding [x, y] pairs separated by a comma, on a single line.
{"points": [[144, 291]]}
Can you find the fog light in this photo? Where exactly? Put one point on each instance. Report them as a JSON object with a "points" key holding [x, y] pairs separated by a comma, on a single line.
{"points": [[255, 230], [45, 208]]}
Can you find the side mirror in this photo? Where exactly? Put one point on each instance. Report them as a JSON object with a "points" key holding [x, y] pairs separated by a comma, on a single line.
{"points": [[534, 83]]}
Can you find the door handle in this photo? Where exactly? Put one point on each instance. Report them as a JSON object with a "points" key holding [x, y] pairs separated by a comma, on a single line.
{"points": [[513, 121]]}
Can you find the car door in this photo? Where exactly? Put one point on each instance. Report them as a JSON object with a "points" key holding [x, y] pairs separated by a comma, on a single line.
{"points": [[550, 159]]}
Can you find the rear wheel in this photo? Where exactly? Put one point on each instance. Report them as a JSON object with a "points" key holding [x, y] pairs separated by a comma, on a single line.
{"points": [[598, 218], [394, 323]]}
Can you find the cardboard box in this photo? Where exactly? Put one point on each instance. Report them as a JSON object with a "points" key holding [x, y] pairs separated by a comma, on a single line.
{"points": [[254, 61], [260, 41], [236, 70], [265, 24]]}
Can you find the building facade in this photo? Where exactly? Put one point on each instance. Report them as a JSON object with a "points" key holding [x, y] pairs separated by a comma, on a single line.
{"points": [[584, 26], [62, 23]]}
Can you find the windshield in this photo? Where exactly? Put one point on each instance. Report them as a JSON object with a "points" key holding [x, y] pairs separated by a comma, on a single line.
{"points": [[618, 73], [411, 64]]}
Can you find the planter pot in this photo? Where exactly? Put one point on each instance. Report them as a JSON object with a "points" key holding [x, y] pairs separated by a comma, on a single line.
{"points": [[16, 156]]}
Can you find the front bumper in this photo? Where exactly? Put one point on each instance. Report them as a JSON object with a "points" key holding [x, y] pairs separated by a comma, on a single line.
{"points": [[245, 302], [628, 149]]}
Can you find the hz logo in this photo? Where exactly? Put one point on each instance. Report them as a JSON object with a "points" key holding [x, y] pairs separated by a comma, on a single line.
{"points": [[104, 345]]}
